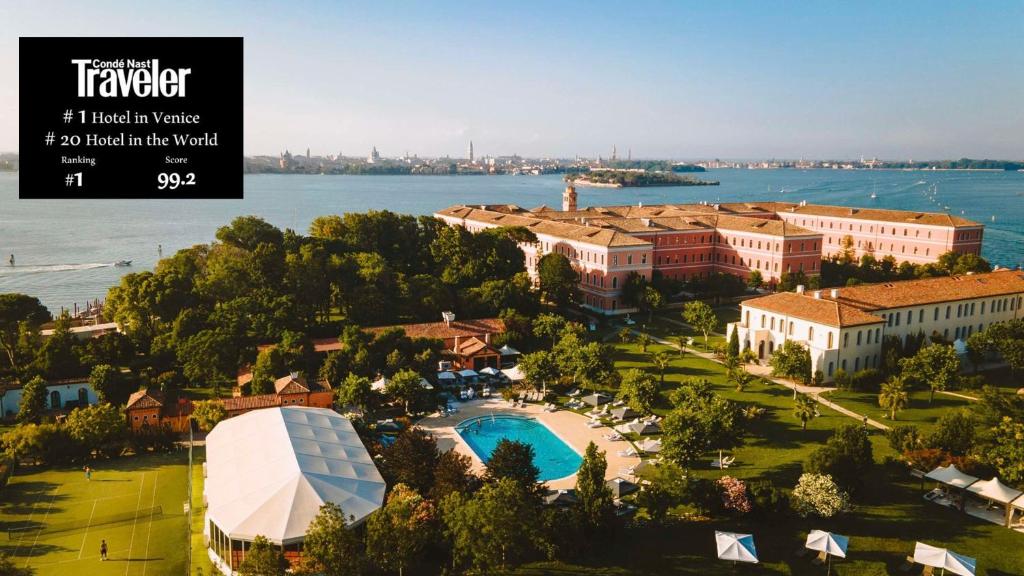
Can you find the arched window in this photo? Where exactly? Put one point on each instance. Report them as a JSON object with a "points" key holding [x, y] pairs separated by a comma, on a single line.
{"points": [[54, 400], [615, 282], [83, 397]]}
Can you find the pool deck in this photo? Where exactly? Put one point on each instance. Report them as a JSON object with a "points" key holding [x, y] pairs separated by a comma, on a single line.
{"points": [[570, 427]]}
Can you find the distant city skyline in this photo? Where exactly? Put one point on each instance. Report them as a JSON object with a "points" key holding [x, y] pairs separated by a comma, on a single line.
{"points": [[742, 80]]}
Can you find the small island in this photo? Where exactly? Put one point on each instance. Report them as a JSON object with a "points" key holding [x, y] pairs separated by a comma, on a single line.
{"points": [[635, 179]]}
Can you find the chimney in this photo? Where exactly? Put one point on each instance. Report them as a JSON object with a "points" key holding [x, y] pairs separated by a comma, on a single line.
{"points": [[817, 294], [799, 288], [834, 293]]}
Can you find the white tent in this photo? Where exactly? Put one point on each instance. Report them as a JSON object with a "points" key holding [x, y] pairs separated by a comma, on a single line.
{"points": [[507, 350], [994, 490], [270, 470], [942, 558], [514, 374], [950, 476], [998, 492], [490, 371], [735, 547]]}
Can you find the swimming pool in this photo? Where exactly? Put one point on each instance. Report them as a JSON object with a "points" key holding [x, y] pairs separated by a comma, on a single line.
{"points": [[553, 457]]}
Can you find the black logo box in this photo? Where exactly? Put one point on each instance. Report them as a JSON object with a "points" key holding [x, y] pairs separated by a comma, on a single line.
{"points": [[49, 87]]}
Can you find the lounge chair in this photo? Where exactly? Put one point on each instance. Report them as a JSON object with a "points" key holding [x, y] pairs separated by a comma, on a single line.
{"points": [[820, 558], [618, 403], [594, 424], [627, 453], [614, 437]]}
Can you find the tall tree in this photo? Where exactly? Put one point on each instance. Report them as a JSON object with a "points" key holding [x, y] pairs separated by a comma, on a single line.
{"points": [[263, 559], [733, 349], [701, 317], [792, 360], [411, 460], [270, 365], [207, 413], [406, 386], [559, 281], [453, 473], [549, 326], [332, 548], [16, 309], [33, 401], [936, 366], [639, 390], [110, 385], [496, 528], [661, 360], [539, 368], [595, 501], [399, 532], [354, 391], [514, 460]]}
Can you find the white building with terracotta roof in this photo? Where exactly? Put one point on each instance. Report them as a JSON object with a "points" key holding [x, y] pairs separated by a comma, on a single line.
{"points": [[844, 327]]}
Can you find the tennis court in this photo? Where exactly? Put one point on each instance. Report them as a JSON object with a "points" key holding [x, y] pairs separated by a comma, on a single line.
{"points": [[54, 520]]}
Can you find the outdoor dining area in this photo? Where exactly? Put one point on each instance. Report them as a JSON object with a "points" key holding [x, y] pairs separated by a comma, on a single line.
{"points": [[989, 500]]}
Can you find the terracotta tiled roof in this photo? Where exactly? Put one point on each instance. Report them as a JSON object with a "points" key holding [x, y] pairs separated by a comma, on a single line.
{"points": [[817, 310], [443, 331], [294, 384], [251, 402], [569, 231], [145, 399], [472, 346], [879, 215], [933, 290]]}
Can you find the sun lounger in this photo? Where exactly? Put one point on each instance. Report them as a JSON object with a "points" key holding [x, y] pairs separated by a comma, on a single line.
{"points": [[627, 453], [618, 403], [820, 558], [594, 424], [614, 437]]}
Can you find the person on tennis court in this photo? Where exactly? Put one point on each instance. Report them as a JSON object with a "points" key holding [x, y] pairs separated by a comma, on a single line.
{"points": [[103, 550], [88, 473]]}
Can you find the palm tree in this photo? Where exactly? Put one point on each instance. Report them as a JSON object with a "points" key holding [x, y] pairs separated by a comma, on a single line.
{"points": [[644, 341], [740, 377], [661, 360], [625, 335], [805, 409], [893, 396]]}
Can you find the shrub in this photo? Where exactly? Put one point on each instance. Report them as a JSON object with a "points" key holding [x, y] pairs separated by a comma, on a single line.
{"points": [[841, 379], [904, 438], [867, 380], [734, 494], [818, 495]]}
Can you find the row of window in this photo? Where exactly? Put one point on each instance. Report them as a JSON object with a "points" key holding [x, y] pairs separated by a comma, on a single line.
{"points": [[964, 309]]}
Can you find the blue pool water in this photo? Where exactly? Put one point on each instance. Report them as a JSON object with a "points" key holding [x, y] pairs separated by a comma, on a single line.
{"points": [[553, 457]]}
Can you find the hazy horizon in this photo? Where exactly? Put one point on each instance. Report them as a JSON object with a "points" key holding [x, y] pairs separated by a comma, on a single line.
{"points": [[745, 80]]}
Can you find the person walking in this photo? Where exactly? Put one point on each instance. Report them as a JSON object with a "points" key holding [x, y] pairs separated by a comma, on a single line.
{"points": [[103, 550], [88, 473]]}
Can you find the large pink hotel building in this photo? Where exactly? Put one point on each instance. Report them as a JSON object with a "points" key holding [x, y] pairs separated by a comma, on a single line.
{"points": [[689, 241]]}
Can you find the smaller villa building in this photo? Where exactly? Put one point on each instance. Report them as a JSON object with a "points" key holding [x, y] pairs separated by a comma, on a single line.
{"points": [[844, 327]]}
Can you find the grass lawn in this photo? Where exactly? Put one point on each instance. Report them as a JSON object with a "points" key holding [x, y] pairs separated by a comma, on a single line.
{"points": [[201, 564], [889, 517], [919, 411], [68, 516]]}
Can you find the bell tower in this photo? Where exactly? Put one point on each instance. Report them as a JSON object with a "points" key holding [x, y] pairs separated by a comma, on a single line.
{"points": [[569, 198]]}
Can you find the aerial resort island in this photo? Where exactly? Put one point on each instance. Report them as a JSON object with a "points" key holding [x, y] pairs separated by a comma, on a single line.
{"points": [[723, 299], [633, 178]]}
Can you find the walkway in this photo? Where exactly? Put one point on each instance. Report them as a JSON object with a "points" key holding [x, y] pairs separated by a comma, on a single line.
{"points": [[765, 372]]}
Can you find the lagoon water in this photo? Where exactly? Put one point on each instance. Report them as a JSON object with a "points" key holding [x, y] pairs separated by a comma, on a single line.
{"points": [[65, 250]]}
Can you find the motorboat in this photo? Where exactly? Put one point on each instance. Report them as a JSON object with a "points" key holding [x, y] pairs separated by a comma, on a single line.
{"points": [[123, 263]]}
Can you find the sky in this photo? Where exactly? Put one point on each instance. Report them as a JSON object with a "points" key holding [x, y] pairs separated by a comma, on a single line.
{"points": [[683, 80]]}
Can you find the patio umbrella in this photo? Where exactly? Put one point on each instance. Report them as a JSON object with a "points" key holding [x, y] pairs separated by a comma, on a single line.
{"points": [[621, 487], [650, 445], [944, 559], [490, 371], [597, 399], [735, 547], [445, 376], [829, 543]]}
